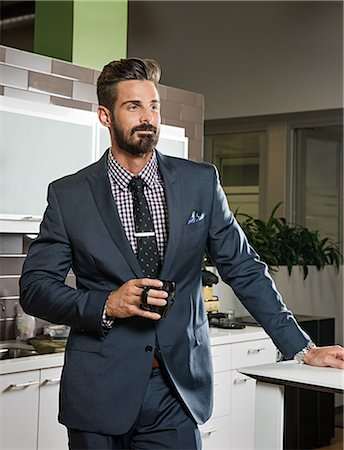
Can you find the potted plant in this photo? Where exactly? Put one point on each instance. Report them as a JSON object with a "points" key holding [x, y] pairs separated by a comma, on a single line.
{"points": [[306, 267], [280, 243]]}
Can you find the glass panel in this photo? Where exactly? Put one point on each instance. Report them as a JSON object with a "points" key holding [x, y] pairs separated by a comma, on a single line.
{"points": [[238, 158], [318, 192]]}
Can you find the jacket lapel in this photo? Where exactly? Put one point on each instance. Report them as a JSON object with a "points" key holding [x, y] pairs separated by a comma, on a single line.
{"points": [[101, 190], [173, 193]]}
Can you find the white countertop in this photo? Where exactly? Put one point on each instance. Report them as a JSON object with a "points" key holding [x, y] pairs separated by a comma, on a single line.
{"points": [[31, 363], [217, 337], [290, 372]]}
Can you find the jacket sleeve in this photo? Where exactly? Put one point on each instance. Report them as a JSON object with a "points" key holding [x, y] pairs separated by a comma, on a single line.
{"points": [[43, 292], [240, 267]]}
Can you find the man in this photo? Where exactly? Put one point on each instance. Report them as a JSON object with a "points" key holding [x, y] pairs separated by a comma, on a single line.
{"points": [[131, 379]]}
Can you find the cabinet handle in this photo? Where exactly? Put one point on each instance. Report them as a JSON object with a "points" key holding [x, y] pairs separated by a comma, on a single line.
{"points": [[51, 380], [240, 380], [208, 433], [255, 350], [22, 385]]}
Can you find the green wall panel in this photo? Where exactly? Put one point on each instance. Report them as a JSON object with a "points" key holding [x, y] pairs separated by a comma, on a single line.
{"points": [[54, 28], [99, 32]]}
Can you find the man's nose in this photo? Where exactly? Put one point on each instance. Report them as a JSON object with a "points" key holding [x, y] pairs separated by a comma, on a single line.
{"points": [[146, 116]]}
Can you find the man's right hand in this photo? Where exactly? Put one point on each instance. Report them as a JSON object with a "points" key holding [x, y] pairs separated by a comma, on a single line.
{"points": [[126, 300]]}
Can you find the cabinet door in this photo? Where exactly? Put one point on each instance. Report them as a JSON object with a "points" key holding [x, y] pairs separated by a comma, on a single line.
{"points": [[51, 434], [19, 410], [243, 412]]}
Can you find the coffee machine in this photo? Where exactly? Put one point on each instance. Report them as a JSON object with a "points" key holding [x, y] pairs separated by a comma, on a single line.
{"points": [[212, 303]]}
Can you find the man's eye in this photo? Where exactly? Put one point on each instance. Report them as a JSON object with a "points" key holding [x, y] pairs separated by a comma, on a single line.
{"points": [[155, 107], [132, 107]]}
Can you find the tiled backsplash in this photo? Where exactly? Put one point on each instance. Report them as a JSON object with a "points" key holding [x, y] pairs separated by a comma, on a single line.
{"points": [[13, 249], [46, 80]]}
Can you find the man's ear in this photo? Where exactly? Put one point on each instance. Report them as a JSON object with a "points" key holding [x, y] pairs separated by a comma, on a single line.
{"points": [[104, 116]]}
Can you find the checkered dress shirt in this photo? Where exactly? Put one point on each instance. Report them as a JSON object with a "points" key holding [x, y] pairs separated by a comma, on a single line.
{"points": [[154, 191]]}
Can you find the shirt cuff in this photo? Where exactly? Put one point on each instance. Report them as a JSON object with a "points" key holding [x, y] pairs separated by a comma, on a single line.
{"points": [[107, 321]]}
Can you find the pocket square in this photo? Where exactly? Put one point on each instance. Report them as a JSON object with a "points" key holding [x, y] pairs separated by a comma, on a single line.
{"points": [[195, 217]]}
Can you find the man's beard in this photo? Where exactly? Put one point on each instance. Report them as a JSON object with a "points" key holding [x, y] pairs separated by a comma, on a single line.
{"points": [[144, 145]]}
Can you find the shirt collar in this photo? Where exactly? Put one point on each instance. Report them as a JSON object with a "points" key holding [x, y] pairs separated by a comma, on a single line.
{"points": [[122, 176]]}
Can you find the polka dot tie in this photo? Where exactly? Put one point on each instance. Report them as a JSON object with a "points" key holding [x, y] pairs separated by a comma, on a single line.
{"points": [[147, 249]]}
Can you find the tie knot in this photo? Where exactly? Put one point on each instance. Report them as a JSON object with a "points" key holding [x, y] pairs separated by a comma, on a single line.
{"points": [[136, 184]]}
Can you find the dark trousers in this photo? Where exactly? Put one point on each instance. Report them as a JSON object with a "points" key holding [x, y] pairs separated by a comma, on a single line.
{"points": [[163, 423]]}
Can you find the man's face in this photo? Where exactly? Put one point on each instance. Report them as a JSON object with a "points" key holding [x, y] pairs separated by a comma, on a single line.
{"points": [[136, 117]]}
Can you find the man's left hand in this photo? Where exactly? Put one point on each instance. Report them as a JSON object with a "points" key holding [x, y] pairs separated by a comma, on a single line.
{"points": [[332, 356]]}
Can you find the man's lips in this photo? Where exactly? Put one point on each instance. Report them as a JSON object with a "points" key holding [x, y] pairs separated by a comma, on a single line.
{"points": [[146, 130]]}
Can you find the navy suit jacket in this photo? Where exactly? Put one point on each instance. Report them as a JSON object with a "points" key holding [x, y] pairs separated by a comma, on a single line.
{"points": [[106, 373]]}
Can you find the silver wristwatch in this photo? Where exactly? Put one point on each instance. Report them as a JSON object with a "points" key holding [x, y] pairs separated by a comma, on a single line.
{"points": [[300, 356]]}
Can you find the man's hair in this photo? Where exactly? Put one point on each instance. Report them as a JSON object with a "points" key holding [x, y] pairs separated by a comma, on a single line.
{"points": [[122, 70]]}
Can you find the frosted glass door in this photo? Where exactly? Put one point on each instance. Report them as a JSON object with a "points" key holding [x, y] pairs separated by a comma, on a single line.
{"points": [[34, 151]]}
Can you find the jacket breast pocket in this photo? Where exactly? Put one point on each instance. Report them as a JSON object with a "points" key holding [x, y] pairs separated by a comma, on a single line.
{"points": [[195, 227]]}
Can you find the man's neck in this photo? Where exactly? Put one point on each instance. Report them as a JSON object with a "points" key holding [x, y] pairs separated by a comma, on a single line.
{"points": [[134, 164]]}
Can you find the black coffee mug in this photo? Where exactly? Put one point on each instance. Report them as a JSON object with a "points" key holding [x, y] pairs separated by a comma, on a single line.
{"points": [[170, 288]]}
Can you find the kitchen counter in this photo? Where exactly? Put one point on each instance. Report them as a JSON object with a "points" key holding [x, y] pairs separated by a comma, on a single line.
{"points": [[220, 336], [217, 337]]}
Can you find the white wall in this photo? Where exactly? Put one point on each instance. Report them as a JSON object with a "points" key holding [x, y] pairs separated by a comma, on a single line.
{"points": [[247, 58]]}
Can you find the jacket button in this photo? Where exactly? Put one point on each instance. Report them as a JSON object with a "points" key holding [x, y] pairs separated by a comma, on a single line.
{"points": [[149, 349]]}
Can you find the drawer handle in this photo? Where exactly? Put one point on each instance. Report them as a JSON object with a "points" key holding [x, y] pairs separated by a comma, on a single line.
{"points": [[240, 380], [208, 433], [51, 380], [215, 355], [250, 351], [22, 385]]}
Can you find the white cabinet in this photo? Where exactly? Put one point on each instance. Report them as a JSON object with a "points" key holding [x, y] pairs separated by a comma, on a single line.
{"points": [[28, 411], [19, 410], [231, 426], [53, 141], [51, 434]]}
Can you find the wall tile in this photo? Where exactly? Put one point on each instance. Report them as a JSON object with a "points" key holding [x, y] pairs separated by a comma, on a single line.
{"points": [[28, 60], [95, 76], [2, 53], [9, 286], [162, 91], [69, 103], [79, 73], [192, 114], [84, 92], [13, 77], [171, 109], [196, 150], [49, 83], [181, 96], [11, 265], [27, 95], [199, 131], [11, 244]]}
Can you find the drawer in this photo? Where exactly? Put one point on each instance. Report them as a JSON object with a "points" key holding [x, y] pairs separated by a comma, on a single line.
{"points": [[215, 434], [253, 352], [222, 394], [221, 357]]}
